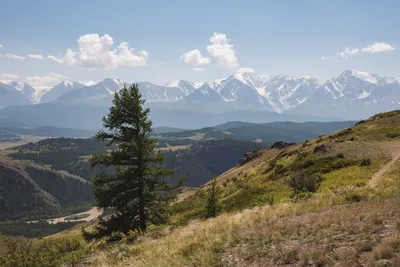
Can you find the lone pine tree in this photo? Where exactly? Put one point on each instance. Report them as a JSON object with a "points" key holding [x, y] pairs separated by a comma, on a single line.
{"points": [[138, 190]]}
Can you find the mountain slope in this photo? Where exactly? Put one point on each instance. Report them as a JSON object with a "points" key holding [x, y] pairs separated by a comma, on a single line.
{"points": [[278, 218], [59, 90], [30, 191]]}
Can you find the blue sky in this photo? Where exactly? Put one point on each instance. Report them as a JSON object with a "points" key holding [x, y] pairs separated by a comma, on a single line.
{"points": [[271, 37]]}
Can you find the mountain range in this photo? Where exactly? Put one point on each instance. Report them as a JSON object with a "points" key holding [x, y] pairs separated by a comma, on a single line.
{"points": [[350, 95]]}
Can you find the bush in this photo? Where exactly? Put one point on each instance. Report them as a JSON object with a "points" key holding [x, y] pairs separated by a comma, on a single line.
{"points": [[340, 156], [393, 135], [382, 251], [354, 197], [22, 252], [365, 162], [302, 181]]}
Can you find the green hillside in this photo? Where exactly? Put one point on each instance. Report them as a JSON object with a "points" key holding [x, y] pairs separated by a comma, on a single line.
{"points": [[267, 133], [31, 191], [330, 201]]}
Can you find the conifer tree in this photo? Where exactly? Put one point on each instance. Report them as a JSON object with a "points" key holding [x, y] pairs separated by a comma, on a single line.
{"points": [[212, 198], [138, 190]]}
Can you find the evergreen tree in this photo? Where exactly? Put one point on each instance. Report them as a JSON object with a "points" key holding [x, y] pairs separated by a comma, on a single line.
{"points": [[138, 190], [212, 206]]}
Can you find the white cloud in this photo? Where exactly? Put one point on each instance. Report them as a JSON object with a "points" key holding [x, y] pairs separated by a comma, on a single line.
{"points": [[195, 58], [1, 46], [374, 48], [378, 48], [13, 56], [223, 51], [96, 52], [342, 55], [56, 59], [36, 56], [352, 51], [199, 69], [10, 76], [45, 82]]}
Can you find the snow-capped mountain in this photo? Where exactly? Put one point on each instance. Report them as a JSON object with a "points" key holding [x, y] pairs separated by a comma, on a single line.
{"points": [[168, 93], [204, 94], [100, 94], [14, 93], [186, 86], [61, 89], [351, 94]]}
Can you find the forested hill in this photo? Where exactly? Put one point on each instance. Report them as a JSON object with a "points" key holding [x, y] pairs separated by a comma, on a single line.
{"points": [[198, 162], [31, 191]]}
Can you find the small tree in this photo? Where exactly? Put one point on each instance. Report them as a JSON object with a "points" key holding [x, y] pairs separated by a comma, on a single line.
{"points": [[212, 198], [138, 190]]}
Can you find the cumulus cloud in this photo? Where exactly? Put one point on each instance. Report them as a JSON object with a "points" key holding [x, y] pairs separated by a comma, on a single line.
{"points": [[45, 82], [199, 69], [36, 56], [10, 76], [195, 58], [12, 56], [223, 51], [97, 52], [1, 46], [378, 48], [374, 48]]}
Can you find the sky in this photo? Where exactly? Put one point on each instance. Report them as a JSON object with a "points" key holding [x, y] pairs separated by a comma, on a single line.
{"points": [[44, 42]]}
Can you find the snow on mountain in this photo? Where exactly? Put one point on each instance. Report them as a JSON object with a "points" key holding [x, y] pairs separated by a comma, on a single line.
{"points": [[99, 94], [350, 92], [284, 92], [204, 94], [59, 90], [353, 93], [186, 86], [12, 93]]}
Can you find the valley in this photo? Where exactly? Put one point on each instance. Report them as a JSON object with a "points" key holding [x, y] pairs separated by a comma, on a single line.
{"points": [[322, 201]]}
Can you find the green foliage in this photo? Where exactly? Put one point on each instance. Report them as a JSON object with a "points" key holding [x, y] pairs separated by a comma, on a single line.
{"points": [[62, 154], [393, 134], [77, 217], [314, 164], [304, 181], [31, 192], [205, 160], [212, 199], [48, 253], [38, 229], [138, 189], [365, 162]]}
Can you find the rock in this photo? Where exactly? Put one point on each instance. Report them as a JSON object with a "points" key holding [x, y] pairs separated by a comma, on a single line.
{"points": [[281, 144], [249, 156]]}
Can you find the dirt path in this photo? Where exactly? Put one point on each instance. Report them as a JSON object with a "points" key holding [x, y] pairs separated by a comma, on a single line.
{"points": [[394, 148], [94, 213]]}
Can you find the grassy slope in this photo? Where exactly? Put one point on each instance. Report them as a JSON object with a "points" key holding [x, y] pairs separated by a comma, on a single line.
{"points": [[30, 190], [344, 222]]}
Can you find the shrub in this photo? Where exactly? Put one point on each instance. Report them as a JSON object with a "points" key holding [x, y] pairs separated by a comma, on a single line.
{"points": [[365, 162], [212, 198], [382, 251], [393, 134], [22, 252], [354, 197], [340, 156], [365, 246], [302, 181]]}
